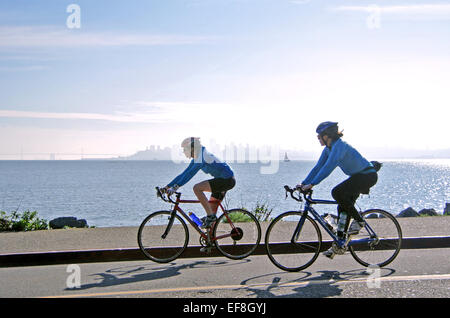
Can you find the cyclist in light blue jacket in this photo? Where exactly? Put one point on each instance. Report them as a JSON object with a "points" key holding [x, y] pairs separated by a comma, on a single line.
{"points": [[203, 160], [361, 172]]}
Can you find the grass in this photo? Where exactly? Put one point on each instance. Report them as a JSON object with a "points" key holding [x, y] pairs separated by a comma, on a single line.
{"points": [[26, 221], [237, 217], [261, 211]]}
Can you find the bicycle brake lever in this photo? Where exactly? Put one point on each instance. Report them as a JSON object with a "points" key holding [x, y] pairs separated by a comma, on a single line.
{"points": [[286, 189]]}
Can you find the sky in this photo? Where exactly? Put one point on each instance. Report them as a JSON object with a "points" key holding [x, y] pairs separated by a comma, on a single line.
{"points": [[118, 76]]}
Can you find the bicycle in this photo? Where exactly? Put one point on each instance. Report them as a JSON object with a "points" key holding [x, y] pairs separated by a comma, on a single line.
{"points": [[163, 235], [293, 239]]}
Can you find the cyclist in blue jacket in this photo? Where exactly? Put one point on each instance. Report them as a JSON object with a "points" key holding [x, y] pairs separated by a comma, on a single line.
{"points": [[203, 160], [362, 175]]}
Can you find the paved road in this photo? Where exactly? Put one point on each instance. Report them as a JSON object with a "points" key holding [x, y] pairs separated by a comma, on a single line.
{"points": [[415, 273]]}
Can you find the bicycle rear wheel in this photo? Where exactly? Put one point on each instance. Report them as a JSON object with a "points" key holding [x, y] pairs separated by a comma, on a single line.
{"points": [[380, 247], [151, 238], [237, 233], [288, 252]]}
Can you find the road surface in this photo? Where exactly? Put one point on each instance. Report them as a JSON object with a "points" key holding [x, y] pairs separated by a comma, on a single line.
{"points": [[415, 273]]}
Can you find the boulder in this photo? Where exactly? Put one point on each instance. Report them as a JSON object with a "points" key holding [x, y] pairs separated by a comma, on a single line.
{"points": [[69, 221], [409, 212], [428, 212]]}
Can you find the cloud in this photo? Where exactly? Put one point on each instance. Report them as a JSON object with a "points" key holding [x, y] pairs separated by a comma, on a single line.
{"points": [[147, 117], [412, 9], [48, 36], [150, 112], [22, 68]]}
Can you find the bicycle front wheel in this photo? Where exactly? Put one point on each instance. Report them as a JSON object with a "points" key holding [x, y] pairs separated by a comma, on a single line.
{"points": [[161, 240], [290, 251], [237, 233], [379, 242]]}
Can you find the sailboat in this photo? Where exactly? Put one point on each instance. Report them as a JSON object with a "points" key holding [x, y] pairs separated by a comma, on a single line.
{"points": [[286, 159]]}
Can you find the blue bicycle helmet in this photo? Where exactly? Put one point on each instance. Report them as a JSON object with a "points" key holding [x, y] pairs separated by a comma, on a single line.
{"points": [[323, 127]]}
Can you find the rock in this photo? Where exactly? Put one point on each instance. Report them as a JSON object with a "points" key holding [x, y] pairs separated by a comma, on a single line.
{"points": [[69, 221], [447, 209], [409, 212], [429, 212]]}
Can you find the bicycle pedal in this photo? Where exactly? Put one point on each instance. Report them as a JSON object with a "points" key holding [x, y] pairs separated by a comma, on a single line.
{"points": [[329, 254], [206, 250]]}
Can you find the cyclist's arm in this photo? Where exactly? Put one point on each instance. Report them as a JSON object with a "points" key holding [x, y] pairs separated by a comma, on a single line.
{"points": [[323, 158], [186, 175], [330, 164]]}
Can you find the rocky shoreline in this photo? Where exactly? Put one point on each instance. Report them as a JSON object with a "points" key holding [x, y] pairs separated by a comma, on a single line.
{"points": [[410, 212]]}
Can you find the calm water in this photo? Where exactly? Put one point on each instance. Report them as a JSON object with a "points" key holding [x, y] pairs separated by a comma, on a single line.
{"points": [[121, 193]]}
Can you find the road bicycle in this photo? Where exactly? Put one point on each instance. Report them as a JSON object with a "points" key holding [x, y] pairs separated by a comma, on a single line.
{"points": [[163, 235], [293, 239]]}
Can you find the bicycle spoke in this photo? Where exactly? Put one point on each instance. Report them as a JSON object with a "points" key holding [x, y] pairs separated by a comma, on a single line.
{"points": [[389, 236], [282, 251], [238, 239], [159, 242]]}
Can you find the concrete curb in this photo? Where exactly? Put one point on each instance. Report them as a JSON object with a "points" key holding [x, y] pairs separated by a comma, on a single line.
{"points": [[135, 254]]}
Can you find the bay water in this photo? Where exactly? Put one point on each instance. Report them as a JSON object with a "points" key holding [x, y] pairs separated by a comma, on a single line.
{"points": [[121, 193]]}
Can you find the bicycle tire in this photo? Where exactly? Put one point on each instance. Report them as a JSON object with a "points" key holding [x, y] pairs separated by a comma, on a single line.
{"points": [[285, 254], [245, 235], [389, 233], [151, 241]]}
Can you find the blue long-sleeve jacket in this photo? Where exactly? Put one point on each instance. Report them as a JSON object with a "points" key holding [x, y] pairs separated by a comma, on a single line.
{"points": [[340, 154], [206, 162]]}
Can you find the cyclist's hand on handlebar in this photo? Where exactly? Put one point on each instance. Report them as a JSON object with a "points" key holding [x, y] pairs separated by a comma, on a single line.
{"points": [[307, 187], [169, 190]]}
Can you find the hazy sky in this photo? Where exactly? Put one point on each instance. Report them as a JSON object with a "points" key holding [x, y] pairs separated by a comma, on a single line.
{"points": [[262, 72]]}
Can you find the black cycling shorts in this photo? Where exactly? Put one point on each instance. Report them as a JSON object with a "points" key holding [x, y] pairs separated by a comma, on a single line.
{"points": [[220, 186]]}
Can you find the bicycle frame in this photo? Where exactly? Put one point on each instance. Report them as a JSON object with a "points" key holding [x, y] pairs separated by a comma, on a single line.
{"points": [[206, 235], [323, 223]]}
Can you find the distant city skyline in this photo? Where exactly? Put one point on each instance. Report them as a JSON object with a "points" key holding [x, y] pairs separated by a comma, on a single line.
{"points": [[113, 77], [174, 153]]}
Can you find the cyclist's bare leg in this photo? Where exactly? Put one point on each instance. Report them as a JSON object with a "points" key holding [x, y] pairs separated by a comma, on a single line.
{"points": [[199, 190], [214, 203]]}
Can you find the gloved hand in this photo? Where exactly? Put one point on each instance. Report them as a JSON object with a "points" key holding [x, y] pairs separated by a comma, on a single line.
{"points": [[169, 190]]}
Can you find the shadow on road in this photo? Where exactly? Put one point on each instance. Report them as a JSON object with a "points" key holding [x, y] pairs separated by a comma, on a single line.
{"points": [[121, 275], [325, 284], [273, 285]]}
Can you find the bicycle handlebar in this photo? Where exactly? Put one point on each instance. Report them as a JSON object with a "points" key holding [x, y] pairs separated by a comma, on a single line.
{"points": [[161, 194], [298, 198]]}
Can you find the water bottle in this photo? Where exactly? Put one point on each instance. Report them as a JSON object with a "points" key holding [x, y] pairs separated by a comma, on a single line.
{"points": [[341, 224], [195, 219], [331, 221]]}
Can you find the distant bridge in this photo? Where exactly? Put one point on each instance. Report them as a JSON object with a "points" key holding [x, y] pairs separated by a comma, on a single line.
{"points": [[54, 155]]}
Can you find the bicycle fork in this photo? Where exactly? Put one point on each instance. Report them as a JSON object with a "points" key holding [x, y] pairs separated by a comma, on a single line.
{"points": [[169, 225], [299, 228]]}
